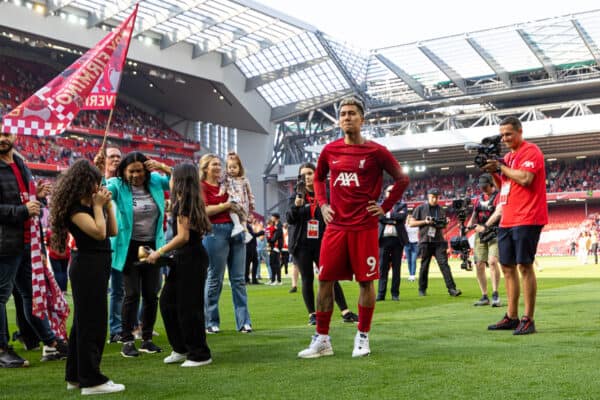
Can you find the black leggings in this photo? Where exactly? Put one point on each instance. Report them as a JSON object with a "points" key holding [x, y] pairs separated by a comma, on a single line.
{"points": [[305, 258]]}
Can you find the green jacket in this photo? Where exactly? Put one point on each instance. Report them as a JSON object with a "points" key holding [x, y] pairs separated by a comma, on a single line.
{"points": [[123, 200]]}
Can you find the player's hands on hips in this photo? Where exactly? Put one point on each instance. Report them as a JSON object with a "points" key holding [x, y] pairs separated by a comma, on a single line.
{"points": [[327, 213], [375, 209]]}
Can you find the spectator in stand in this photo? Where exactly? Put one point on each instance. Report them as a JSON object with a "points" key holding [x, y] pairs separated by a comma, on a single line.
{"points": [[223, 249], [139, 197], [83, 207]]}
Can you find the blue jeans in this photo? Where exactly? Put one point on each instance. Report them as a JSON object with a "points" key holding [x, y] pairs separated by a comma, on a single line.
{"points": [[116, 301], [411, 250], [59, 267], [223, 249], [16, 270]]}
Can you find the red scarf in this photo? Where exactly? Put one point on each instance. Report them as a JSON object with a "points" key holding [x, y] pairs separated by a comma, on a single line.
{"points": [[45, 303]]}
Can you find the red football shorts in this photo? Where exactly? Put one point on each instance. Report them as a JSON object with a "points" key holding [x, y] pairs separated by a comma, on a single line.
{"points": [[344, 253]]}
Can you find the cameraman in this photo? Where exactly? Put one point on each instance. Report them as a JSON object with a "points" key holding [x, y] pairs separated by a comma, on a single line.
{"points": [[431, 220], [392, 238], [522, 179], [486, 215]]}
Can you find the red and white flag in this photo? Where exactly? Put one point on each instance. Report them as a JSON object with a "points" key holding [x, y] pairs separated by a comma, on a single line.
{"points": [[52, 108]]}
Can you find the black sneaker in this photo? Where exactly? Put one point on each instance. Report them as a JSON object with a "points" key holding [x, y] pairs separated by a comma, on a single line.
{"points": [[149, 347], [395, 298], [422, 293], [312, 319], [526, 326], [350, 317], [483, 301], [53, 353], [116, 338], [504, 324], [380, 298], [454, 292], [128, 350], [294, 289], [10, 359]]}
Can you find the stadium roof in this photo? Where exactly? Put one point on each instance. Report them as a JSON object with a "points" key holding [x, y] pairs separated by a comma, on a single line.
{"points": [[295, 67]]}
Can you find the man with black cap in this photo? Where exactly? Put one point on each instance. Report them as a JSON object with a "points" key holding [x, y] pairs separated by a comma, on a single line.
{"points": [[431, 220], [485, 218]]}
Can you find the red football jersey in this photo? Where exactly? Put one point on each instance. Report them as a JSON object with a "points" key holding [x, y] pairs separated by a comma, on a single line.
{"points": [[356, 177]]}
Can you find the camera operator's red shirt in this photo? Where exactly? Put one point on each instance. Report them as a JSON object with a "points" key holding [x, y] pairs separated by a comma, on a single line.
{"points": [[524, 205]]}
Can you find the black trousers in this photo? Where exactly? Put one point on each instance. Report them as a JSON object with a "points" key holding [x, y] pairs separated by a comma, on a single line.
{"points": [[89, 273], [305, 258], [25, 330], [182, 303], [275, 264], [285, 260], [595, 252], [251, 259], [437, 250], [390, 252], [144, 279]]}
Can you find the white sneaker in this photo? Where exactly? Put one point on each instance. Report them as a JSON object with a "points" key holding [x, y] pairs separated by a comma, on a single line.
{"points": [[108, 387], [174, 358], [319, 346], [72, 385], [361, 345], [411, 278], [237, 229], [190, 363]]}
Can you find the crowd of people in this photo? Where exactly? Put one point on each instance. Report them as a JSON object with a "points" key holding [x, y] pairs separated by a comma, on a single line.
{"points": [[129, 222]]}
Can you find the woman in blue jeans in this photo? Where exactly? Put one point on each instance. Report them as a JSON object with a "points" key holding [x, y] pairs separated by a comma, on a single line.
{"points": [[222, 249]]}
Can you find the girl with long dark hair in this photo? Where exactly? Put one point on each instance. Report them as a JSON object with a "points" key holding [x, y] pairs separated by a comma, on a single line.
{"points": [[182, 297], [83, 208]]}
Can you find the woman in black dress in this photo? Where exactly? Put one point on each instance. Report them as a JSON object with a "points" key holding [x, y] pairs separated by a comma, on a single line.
{"points": [[182, 297], [82, 207]]}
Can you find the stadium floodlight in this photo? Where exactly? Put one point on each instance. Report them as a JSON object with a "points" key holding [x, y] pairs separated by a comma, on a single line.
{"points": [[405, 169]]}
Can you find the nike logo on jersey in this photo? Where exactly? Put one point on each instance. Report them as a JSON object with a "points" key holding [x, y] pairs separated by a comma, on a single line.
{"points": [[335, 161], [370, 274], [346, 179]]}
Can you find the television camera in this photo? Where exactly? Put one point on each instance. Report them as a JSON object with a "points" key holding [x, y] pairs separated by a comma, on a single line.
{"points": [[488, 149], [460, 244]]}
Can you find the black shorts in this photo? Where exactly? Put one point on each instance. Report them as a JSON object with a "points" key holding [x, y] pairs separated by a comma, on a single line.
{"points": [[518, 244]]}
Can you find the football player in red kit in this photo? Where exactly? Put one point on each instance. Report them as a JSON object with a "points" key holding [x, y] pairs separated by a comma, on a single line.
{"points": [[350, 243]]}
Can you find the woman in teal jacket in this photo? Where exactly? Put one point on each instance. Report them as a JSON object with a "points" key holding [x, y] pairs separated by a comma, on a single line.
{"points": [[140, 207]]}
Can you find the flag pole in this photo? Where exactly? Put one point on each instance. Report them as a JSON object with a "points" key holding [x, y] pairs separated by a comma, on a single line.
{"points": [[107, 128]]}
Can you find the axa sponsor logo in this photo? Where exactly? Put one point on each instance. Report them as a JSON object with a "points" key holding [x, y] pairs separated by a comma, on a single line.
{"points": [[529, 164], [346, 179]]}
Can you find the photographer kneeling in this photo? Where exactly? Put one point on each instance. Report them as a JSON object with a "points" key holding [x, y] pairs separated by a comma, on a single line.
{"points": [[431, 220], [486, 216]]}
